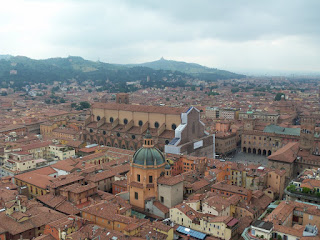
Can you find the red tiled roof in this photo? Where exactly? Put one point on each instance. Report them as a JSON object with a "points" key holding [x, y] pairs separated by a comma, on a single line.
{"points": [[161, 207], [170, 180], [139, 108], [288, 153]]}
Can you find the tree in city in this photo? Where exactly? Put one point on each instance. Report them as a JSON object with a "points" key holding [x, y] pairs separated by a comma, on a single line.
{"points": [[278, 96], [85, 105], [306, 190], [291, 188]]}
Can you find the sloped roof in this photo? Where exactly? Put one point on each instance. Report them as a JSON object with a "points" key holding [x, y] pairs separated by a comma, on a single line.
{"points": [[288, 153], [282, 130], [139, 108]]}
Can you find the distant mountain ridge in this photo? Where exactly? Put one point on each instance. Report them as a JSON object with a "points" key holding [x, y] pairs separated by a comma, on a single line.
{"points": [[18, 71], [194, 69], [6, 56]]}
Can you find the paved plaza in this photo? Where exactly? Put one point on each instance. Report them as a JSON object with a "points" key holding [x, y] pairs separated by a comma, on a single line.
{"points": [[248, 158]]}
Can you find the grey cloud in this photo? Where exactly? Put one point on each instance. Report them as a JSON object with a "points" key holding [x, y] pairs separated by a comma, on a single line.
{"points": [[232, 34], [241, 20]]}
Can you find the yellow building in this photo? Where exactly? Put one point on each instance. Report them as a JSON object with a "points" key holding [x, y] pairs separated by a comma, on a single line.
{"points": [[109, 215], [38, 149], [15, 166], [61, 152], [36, 181], [223, 227]]}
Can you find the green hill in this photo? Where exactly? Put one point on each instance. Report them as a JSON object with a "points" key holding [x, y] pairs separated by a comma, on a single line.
{"points": [[106, 76], [194, 69]]}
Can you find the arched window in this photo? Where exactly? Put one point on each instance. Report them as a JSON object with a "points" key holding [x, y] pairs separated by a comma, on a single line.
{"points": [[133, 137], [125, 121], [111, 119], [98, 118], [156, 124], [118, 134], [173, 126], [104, 132], [167, 141], [91, 130], [140, 123]]}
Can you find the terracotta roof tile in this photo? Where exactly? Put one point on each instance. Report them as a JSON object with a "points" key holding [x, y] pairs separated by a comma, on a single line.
{"points": [[139, 108], [288, 153]]}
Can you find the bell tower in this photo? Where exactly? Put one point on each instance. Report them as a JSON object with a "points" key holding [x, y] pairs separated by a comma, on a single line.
{"points": [[307, 132], [167, 173], [249, 122], [122, 98]]}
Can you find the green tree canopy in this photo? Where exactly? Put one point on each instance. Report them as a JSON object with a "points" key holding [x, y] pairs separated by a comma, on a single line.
{"points": [[278, 96], [85, 104]]}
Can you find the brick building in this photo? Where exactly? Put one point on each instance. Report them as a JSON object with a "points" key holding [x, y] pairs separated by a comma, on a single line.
{"points": [[123, 125]]}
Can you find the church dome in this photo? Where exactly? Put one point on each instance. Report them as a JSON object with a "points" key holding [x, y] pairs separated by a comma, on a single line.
{"points": [[148, 155]]}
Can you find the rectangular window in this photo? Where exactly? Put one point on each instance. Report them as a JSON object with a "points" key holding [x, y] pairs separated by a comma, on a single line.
{"points": [[138, 177], [161, 199], [150, 179], [136, 195]]}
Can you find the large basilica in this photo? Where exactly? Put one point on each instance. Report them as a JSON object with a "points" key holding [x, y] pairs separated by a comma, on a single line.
{"points": [[123, 125]]}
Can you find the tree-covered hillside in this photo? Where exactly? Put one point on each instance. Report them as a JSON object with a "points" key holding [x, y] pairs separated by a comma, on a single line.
{"points": [[20, 71], [196, 70]]}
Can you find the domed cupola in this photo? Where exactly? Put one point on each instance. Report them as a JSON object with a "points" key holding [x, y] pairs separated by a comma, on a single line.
{"points": [[148, 155]]}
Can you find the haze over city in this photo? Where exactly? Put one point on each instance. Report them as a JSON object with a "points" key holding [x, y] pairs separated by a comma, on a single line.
{"points": [[159, 120], [265, 37]]}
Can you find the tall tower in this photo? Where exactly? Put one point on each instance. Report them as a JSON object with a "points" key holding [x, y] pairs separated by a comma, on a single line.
{"points": [[249, 122], [148, 164], [307, 132], [122, 98]]}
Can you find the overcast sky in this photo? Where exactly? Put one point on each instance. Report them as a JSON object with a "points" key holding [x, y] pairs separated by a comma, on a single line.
{"points": [[234, 35]]}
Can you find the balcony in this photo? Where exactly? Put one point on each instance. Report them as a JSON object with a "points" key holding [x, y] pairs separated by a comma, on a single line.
{"points": [[311, 195], [10, 166]]}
